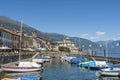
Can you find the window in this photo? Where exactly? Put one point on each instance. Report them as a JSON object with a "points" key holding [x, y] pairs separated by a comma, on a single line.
{"points": [[0, 34]]}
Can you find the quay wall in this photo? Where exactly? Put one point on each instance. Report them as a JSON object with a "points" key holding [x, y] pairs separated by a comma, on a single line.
{"points": [[9, 58], [12, 57], [109, 59]]}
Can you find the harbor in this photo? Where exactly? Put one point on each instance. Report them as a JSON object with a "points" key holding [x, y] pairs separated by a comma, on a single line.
{"points": [[25, 54], [38, 58], [60, 40], [55, 65]]}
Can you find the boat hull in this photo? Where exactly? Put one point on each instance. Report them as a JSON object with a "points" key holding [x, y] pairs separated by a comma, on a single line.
{"points": [[97, 67], [20, 69], [110, 72]]}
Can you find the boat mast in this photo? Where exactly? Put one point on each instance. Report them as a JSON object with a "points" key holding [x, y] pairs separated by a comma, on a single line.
{"points": [[106, 49], [20, 41]]}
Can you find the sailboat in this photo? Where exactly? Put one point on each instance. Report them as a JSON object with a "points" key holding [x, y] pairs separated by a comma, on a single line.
{"points": [[22, 66]]}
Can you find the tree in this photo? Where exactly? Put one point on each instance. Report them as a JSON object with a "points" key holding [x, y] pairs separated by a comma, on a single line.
{"points": [[80, 49], [64, 49], [88, 54]]}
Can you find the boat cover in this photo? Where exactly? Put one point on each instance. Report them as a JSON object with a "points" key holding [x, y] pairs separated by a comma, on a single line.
{"points": [[28, 64]]}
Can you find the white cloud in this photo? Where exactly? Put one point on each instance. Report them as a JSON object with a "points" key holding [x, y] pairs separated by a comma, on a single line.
{"points": [[95, 37], [87, 36], [114, 39], [117, 37], [100, 33], [90, 37], [84, 35]]}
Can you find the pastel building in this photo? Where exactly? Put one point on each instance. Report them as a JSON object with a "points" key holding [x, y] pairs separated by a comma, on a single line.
{"points": [[6, 38], [11, 39]]}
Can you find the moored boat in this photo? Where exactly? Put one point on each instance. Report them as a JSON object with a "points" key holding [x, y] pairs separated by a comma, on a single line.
{"points": [[67, 58], [45, 58], [83, 64], [8, 79], [29, 78], [113, 71], [40, 61], [109, 78], [25, 77], [96, 65], [23, 67], [77, 60]]}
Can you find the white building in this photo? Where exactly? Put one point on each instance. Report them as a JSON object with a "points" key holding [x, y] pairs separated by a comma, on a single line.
{"points": [[66, 43]]}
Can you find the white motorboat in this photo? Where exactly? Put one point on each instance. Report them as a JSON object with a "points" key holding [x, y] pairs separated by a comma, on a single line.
{"points": [[113, 71]]}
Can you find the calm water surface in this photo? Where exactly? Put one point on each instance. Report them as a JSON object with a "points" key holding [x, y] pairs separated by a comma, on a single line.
{"points": [[58, 70], [117, 55]]}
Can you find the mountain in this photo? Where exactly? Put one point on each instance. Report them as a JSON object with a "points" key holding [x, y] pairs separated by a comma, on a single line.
{"points": [[80, 42], [112, 45], [11, 24]]}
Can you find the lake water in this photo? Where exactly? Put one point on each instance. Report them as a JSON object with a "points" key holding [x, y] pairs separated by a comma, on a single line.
{"points": [[117, 55], [61, 70], [58, 70]]}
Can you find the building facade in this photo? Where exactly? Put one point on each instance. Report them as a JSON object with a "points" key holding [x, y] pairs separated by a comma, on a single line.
{"points": [[11, 40], [65, 43], [6, 38]]}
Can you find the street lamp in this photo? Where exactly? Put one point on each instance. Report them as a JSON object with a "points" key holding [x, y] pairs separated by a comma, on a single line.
{"points": [[100, 45], [90, 46], [83, 48], [118, 44]]}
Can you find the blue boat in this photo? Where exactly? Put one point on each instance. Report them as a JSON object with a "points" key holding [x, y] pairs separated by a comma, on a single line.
{"points": [[96, 65], [45, 58], [26, 77], [77, 60]]}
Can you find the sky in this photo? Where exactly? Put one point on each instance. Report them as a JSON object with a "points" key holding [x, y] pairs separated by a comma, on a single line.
{"points": [[95, 20]]}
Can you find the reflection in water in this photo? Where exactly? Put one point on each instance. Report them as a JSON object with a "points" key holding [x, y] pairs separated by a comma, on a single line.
{"points": [[16, 75], [58, 70], [108, 78], [61, 70]]}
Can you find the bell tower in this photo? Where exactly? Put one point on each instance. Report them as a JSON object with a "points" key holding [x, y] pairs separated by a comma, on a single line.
{"points": [[34, 34]]}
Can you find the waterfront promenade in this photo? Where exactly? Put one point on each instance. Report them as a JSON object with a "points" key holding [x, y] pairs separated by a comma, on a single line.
{"points": [[25, 57]]}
